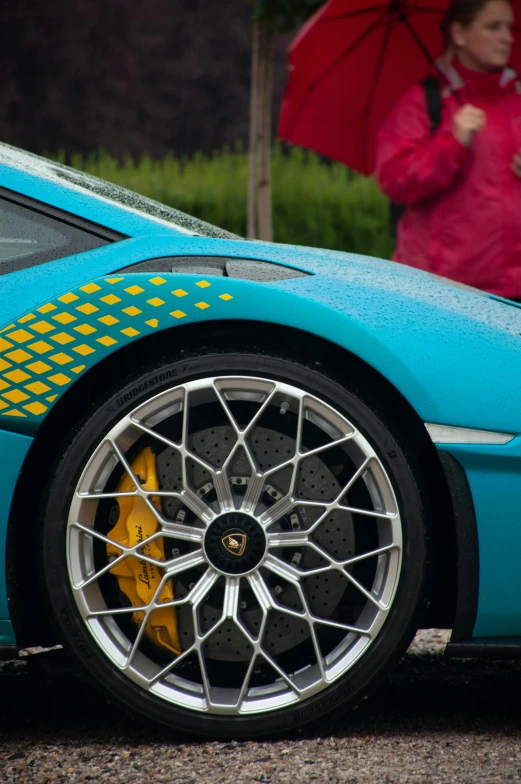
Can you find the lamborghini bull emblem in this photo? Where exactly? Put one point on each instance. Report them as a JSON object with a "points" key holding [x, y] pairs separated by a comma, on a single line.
{"points": [[235, 544]]}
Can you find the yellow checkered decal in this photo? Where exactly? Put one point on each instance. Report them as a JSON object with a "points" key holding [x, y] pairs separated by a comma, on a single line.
{"points": [[43, 352]]}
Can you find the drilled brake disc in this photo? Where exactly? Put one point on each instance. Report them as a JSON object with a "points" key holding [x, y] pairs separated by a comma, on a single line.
{"points": [[336, 535]]}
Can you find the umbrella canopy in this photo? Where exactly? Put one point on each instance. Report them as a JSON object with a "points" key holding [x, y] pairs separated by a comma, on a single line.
{"points": [[348, 66]]}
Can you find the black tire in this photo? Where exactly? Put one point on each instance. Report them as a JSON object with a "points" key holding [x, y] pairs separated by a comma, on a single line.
{"points": [[401, 620]]}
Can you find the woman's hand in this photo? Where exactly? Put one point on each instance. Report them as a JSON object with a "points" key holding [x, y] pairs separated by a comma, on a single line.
{"points": [[516, 164], [466, 122]]}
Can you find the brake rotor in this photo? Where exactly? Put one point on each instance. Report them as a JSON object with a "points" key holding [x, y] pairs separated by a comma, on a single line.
{"points": [[315, 482]]}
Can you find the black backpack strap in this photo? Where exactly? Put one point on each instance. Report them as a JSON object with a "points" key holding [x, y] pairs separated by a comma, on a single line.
{"points": [[433, 103], [433, 107]]}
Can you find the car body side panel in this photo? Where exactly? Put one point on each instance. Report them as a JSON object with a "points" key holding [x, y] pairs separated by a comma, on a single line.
{"points": [[13, 450], [419, 340], [494, 475]]}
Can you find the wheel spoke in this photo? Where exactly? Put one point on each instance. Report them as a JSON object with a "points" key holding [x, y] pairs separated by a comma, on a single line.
{"points": [[144, 623], [368, 595], [371, 554], [102, 496], [204, 677], [182, 532], [184, 562], [369, 513], [273, 664], [231, 597], [288, 539], [309, 619], [282, 569]]}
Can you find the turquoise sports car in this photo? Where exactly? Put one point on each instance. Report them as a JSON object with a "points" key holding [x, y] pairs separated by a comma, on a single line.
{"points": [[236, 477]]}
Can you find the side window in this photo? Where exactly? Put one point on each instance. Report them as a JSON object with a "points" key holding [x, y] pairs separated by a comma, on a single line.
{"points": [[29, 237]]}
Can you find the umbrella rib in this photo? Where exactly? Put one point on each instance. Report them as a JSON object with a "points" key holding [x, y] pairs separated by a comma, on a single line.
{"points": [[333, 65], [428, 56], [379, 66], [378, 71]]}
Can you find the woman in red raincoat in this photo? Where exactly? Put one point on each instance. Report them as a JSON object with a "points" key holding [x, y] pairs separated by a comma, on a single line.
{"points": [[461, 184]]}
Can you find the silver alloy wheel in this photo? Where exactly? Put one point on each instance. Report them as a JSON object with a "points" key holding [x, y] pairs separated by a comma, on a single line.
{"points": [[295, 482]]}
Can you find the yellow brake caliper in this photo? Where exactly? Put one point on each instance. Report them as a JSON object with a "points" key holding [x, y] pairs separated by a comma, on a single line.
{"points": [[138, 579]]}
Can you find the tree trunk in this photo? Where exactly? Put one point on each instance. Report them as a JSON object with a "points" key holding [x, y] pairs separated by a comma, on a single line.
{"points": [[254, 119], [264, 207], [259, 171]]}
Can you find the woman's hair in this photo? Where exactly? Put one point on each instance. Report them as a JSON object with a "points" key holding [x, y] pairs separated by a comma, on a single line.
{"points": [[462, 11]]}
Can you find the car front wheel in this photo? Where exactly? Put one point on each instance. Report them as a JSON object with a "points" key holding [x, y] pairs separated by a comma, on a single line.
{"points": [[234, 545]]}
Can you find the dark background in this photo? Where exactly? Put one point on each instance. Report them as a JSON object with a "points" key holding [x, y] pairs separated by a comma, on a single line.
{"points": [[128, 75]]}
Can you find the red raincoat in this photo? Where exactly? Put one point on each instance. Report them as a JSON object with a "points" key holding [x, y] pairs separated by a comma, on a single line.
{"points": [[463, 217]]}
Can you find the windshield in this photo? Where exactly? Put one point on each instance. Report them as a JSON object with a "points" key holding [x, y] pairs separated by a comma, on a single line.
{"points": [[107, 191]]}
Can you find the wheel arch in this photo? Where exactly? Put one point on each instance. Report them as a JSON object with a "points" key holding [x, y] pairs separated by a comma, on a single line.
{"points": [[30, 621]]}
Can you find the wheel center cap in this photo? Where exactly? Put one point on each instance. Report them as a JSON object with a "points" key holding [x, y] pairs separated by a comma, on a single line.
{"points": [[235, 543]]}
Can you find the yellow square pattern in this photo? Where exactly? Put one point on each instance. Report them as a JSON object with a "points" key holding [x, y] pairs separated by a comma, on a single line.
{"points": [[225, 297], [60, 379], [4, 344], [62, 338], [90, 288], [15, 396], [64, 318], [85, 329], [178, 314], [179, 293], [87, 309], [67, 298], [130, 332], [37, 387], [3, 405], [39, 367], [203, 284], [4, 384], [4, 365], [26, 318], [40, 347], [108, 320], [17, 376], [156, 302], [110, 299], [61, 358], [152, 323], [36, 408], [134, 290], [83, 349], [19, 355], [132, 311], [106, 341], [113, 280], [157, 281], [42, 327], [20, 336], [202, 305], [47, 308]]}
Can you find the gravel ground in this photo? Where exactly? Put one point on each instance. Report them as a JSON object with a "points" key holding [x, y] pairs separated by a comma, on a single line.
{"points": [[433, 721]]}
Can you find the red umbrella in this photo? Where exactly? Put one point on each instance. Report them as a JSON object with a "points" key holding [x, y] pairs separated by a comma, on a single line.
{"points": [[348, 66]]}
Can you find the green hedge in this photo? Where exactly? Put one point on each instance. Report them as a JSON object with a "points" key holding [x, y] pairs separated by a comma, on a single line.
{"points": [[314, 203]]}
